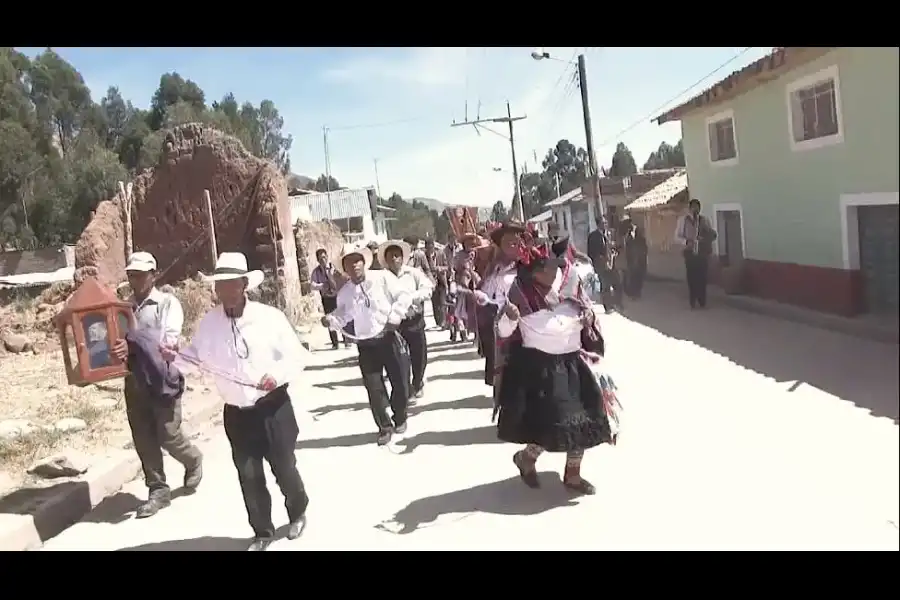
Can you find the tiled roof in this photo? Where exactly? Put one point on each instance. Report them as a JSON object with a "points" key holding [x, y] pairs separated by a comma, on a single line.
{"points": [[770, 66], [339, 204], [661, 194]]}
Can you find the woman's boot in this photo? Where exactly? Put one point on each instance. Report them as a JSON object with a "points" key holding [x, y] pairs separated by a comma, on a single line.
{"points": [[573, 480]]}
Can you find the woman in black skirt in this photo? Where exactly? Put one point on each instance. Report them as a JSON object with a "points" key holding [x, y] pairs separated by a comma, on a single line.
{"points": [[549, 398]]}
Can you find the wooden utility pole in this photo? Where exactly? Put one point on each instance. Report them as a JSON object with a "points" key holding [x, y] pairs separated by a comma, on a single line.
{"points": [[518, 207], [327, 173], [212, 228], [589, 133]]}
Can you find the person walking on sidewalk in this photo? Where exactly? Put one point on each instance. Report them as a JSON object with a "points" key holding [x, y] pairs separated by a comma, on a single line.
{"points": [[253, 351], [325, 279], [695, 233], [394, 254], [154, 409], [376, 303]]}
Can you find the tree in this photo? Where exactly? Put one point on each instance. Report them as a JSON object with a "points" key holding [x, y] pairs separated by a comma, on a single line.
{"points": [[325, 183], [666, 157], [622, 162], [499, 212], [173, 88]]}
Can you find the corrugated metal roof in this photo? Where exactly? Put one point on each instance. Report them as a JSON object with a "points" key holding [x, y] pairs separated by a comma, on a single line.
{"points": [[572, 196], [544, 216], [339, 204], [662, 193]]}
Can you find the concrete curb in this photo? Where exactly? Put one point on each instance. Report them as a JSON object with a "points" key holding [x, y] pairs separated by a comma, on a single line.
{"points": [[853, 327], [75, 499]]}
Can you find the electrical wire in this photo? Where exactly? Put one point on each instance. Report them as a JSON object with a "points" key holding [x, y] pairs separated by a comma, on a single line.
{"points": [[659, 109]]}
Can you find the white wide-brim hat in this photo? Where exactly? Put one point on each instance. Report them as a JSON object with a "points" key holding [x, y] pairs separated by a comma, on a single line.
{"points": [[233, 265], [350, 250], [404, 248]]}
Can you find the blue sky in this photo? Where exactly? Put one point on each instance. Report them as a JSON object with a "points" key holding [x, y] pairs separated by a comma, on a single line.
{"points": [[396, 104]]}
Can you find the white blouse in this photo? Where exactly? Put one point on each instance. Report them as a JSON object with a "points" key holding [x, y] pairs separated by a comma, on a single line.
{"points": [[553, 331]]}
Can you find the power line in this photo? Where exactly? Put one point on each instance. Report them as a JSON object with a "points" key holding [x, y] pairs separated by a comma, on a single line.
{"points": [[657, 110]]}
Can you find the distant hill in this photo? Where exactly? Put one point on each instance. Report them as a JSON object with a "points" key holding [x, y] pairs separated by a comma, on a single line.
{"points": [[298, 182], [431, 203]]}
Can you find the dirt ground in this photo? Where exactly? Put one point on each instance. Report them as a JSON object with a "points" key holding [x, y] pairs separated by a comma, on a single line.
{"points": [[34, 390]]}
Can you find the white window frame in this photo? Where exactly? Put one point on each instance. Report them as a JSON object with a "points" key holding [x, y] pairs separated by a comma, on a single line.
{"points": [[716, 118], [849, 206], [720, 235], [808, 81]]}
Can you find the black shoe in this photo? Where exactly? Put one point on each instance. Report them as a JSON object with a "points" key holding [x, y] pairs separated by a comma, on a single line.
{"points": [[335, 346], [400, 429], [296, 529], [528, 475], [384, 437], [260, 544], [419, 392], [193, 476], [152, 506]]}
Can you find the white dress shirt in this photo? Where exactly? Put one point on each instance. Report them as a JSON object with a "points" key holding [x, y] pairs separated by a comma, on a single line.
{"points": [[159, 312], [379, 299], [418, 285], [259, 342], [496, 284]]}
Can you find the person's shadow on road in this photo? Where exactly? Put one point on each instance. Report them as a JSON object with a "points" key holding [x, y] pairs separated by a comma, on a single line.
{"points": [[199, 544], [506, 497]]}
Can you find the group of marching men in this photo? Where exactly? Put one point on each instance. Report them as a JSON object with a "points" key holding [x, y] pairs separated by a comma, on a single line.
{"points": [[533, 322], [522, 296]]}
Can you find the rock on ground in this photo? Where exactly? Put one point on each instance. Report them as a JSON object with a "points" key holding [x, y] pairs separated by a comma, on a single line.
{"points": [[16, 428], [16, 342], [60, 465]]}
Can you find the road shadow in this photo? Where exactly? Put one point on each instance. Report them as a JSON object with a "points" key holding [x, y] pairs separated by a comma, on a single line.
{"points": [[507, 497], [476, 374], [199, 544], [71, 501], [342, 363], [330, 408], [477, 401], [341, 441], [860, 371], [115, 509], [470, 354], [459, 437]]}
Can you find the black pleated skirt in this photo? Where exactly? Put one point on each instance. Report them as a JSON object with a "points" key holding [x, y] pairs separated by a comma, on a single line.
{"points": [[551, 400]]}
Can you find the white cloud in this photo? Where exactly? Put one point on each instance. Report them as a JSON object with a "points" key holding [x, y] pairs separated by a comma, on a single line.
{"points": [[414, 66]]}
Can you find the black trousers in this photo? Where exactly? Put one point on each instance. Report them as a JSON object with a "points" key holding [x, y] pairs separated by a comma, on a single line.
{"points": [[634, 280], [696, 267], [156, 425], [267, 431], [413, 332], [487, 340], [329, 305], [612, 292], [386, 354], [439, 305]]}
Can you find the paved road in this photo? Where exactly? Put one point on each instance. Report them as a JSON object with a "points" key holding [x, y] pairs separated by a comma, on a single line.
{"points": [[742, 432]]}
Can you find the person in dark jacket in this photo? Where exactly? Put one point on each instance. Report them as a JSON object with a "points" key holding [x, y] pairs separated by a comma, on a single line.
{"points": [[154, 410], [694, 232], [635, 245]]}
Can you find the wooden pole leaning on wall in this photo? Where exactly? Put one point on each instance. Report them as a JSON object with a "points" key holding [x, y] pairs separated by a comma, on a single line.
{"points": [[125, 193], [212, 228]]}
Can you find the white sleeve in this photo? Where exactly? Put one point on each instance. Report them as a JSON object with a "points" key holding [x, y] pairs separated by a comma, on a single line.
{"points": [[679, 231], [506, 326]]}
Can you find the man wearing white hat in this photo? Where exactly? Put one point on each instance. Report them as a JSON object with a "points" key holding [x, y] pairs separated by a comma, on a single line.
{"points": [[252, 350], [396, 257], [376, 303], [154, 414]]}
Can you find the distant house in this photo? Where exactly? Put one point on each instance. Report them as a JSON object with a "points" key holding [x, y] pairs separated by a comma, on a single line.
{"points": [[619, 192], [794, 158], [656, 211], [355, 212], [575, 213]]}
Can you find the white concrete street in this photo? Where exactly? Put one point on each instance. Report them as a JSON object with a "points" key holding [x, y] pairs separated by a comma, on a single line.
{"points": [[740, 432]]}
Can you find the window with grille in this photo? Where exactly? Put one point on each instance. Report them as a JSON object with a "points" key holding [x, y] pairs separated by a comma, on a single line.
{"points": [[814, 112], [721, 140]]}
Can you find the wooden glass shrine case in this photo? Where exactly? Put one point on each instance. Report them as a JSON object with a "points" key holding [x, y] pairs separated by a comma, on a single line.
{"points": [[88, 326]]}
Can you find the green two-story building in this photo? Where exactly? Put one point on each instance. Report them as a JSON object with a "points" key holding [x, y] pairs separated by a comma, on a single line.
{"points": [[795, 159]]}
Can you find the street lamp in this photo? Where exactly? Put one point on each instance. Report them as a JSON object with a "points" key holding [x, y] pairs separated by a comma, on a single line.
{"points": [[539, 54]]}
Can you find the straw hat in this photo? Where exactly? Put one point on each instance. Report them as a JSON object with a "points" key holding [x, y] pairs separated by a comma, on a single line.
{"points": [[508, 227], [404, 248], [351, 250], [233, 265]]}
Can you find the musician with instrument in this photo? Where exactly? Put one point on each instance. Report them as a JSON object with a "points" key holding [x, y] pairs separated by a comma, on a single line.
{"points": [[694, 232], [603, 251]]}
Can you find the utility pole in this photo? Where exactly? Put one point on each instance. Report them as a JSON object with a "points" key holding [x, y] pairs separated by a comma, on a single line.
{"points": [[377, 183], [589, 133], [327, 173], [518, 207]]}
